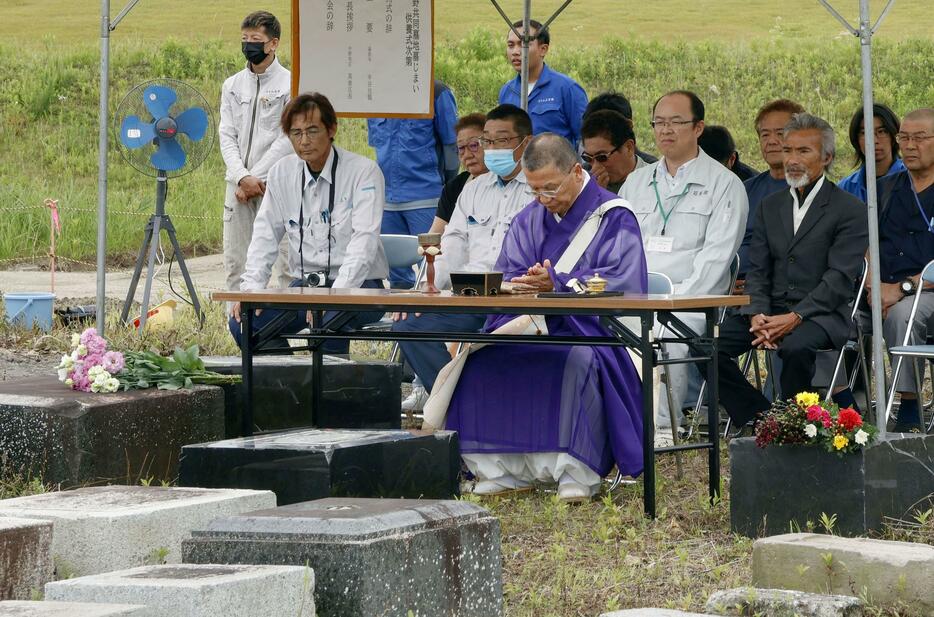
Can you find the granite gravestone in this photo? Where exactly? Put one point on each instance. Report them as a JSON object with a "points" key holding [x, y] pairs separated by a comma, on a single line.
{"points": [[306, 464], [778, 488], [198, 590], [78, 438], [103, 528], [372, 556], [356, 393], [68, 609], [25, 557]]}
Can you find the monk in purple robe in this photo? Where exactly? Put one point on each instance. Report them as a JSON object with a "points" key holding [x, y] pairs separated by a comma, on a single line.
{"points": [[542, 413]]}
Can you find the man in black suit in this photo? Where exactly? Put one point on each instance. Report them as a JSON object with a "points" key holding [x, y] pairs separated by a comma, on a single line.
{"points": [[806, 252]]}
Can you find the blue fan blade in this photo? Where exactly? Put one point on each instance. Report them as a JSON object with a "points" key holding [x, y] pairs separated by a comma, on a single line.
{"points": [[169, 156], [159, 100], [134, 133], [193, 122]]}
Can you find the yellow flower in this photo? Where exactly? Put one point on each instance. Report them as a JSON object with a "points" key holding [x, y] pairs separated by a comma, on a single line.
{"points": [[806, 399], [840, 442]]}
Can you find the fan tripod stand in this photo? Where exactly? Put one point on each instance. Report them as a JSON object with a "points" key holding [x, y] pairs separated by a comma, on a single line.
{"points": [[157, 222]]}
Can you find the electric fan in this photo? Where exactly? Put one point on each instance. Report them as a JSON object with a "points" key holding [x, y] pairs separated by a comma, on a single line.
{"points": [[165, 131]]}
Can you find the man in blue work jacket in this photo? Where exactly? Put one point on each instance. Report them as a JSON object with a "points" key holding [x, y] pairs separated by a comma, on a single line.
{"points": [[417, 157], [556, 102]]}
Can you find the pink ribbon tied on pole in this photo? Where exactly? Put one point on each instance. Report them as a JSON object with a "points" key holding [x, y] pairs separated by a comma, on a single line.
{"points": [[55, 228]]}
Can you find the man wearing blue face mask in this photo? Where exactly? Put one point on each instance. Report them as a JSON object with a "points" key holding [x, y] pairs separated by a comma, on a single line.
{"points": [[474, 236], [251, 141]]}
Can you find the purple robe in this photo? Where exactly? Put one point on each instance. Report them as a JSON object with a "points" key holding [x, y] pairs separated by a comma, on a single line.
{"points": [[584, 401]]}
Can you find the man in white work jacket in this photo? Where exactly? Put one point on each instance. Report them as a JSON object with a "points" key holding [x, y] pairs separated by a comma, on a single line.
{"points": [[328, 203], [252, 101], [692, 212]]}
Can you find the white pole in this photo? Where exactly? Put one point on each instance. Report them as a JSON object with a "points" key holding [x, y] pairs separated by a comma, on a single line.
{"points": [[865, 40], [524, 70], [103, 117]]}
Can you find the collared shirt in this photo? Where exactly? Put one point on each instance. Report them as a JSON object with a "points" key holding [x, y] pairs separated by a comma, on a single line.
{"points": [[757, 189], [356, 253], [556, 104], [411, 153], [705, 226], [676, 182], [614, 187], [249, 133], [473, 238], [799, 209], [906, 243], [855, 183]]}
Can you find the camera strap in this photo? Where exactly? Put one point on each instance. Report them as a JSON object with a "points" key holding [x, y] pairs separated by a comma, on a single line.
{"points": [[301, 215]]}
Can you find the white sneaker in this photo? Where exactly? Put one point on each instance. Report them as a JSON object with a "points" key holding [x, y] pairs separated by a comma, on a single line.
{"points": [[416, 400], [663, 438], [505, 485]]}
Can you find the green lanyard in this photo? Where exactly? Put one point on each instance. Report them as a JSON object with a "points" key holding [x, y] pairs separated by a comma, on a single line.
{"points": [[658, 200]]}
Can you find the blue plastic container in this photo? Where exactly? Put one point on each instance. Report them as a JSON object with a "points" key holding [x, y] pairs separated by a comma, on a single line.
{"points": [[28, 308]]}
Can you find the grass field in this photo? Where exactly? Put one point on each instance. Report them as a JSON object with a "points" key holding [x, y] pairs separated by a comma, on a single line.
{"points": [[48, 98]]}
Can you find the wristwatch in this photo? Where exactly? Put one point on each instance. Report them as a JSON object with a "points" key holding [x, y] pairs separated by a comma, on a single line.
{"points": [[908, 287]]}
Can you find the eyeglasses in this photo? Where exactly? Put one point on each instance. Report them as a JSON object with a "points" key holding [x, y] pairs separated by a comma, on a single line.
{"points": [[310, 133], [473, 145], [499, 142], [600, 157], [660, 123], [549, 194], [918, 138]]}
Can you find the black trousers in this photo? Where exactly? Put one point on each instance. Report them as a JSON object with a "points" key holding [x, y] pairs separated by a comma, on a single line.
{"points": [[798, 351]]}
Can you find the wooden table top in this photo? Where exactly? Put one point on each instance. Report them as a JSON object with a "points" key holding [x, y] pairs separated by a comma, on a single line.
{"points": [[392, 299]]}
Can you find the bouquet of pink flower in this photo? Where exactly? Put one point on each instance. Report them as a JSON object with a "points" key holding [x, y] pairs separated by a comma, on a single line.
{"points": [[810, 421], [90, 367]]}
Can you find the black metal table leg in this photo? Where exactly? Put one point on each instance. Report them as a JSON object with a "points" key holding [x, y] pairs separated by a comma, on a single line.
{"points": [[648, 415], [246, 338], [713, 406]]}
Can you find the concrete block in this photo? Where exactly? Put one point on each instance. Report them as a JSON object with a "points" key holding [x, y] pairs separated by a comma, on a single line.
{"points": [[306, 464], [67, 609], [653, 612], [198, 590], [25, 557], [886, 479], [372, 556], [356, 393], [80, 438], [885, 572], [105, 528], [782, 603]]}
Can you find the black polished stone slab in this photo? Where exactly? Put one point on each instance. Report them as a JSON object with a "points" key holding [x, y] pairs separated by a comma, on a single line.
{"points": [[305, 464], [61, 436], [371, 556], [356, 393], [780, 489]]}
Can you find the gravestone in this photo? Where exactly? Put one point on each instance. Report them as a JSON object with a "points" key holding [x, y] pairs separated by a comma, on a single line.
{"points": [[25, 557], [356, 393], [73, 438], [782, 603], [68, 609], [372, 556], [301, 465], [198, 590], [104, 528], [769, 493]]}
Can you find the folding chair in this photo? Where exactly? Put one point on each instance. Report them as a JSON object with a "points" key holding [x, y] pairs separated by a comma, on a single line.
{"points": [[401, 252], [907, 350], [853, 344]]}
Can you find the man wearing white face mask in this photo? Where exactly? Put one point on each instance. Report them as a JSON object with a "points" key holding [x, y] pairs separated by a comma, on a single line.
{"points": [[473, 238]]}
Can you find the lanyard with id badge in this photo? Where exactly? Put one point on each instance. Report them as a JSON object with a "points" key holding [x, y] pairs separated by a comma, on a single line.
{"points": [[663, 243], [316, 279], [924, 217]]}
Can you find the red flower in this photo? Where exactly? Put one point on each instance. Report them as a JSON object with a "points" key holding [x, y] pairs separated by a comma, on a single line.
{"points": [[825, 418], [849, 419], [814, 413]]}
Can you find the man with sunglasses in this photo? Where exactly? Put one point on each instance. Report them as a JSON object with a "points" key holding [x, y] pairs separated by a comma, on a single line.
{"points": [[692, 211], [472, 239], [610, 148], [906, 245]]}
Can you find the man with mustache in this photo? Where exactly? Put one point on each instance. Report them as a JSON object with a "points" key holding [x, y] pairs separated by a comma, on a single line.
{"points": [[806, 252], [906, 245]]}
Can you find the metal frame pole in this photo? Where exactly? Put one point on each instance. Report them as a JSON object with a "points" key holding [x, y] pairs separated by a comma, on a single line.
{"points": [[102, 164], [524, 71]]}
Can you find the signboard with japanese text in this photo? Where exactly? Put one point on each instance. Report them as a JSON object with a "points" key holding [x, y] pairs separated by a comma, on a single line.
{"points": [[371, 58]]}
